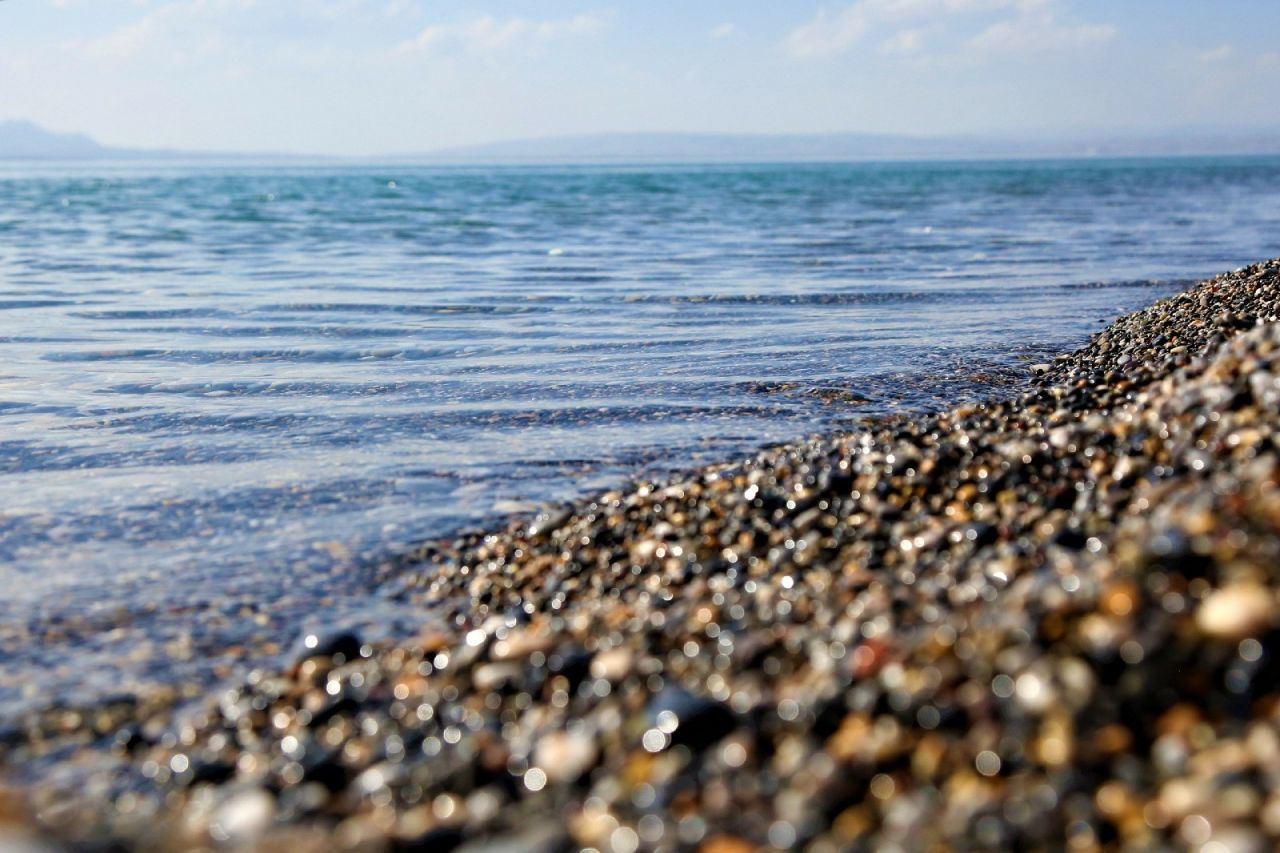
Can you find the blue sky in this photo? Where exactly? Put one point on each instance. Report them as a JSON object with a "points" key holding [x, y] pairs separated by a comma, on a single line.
{"points": [[396, 76]]}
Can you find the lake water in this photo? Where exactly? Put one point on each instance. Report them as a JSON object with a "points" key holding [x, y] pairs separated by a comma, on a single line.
{"points": [[228, 392]]}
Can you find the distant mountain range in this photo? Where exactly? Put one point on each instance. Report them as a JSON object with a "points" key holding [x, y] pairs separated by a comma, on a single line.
{"points": [[22, 140], [27, 141]]}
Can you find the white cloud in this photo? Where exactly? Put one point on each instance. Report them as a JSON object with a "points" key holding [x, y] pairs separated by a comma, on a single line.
{"points": [[1217, 54], [1025, 24], [487, 34], [828, 34], [183, 31], [903, 41], [400, 9], [177, 32], [902, 9], [723, 31], [1031, 33]]}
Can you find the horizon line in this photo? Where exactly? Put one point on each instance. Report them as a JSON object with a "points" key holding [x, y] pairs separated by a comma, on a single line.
{"points": [[984, 145]]}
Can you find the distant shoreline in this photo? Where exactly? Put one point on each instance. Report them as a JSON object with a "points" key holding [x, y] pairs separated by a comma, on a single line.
{"points": [[26, 141], [309, 162]]}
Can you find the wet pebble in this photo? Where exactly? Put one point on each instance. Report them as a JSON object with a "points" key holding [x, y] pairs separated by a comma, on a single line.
{"points": [[1237, 611]]}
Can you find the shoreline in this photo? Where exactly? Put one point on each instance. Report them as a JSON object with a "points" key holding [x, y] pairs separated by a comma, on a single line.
{"points": [[1016, 622]]}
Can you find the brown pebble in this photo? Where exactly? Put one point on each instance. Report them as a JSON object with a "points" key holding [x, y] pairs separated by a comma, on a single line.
{"points": [[1236, 612]]}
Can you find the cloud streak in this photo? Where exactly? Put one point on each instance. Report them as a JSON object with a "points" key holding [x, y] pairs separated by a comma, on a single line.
{"points": [[1216, 55], [187, 31], [1023, 25], [488, 34], [1040, 32], [903, 41], [828, 33]]}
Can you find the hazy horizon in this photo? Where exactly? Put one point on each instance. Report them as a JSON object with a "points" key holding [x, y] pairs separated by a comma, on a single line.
{"points": [[405, 77], [24, 140]]}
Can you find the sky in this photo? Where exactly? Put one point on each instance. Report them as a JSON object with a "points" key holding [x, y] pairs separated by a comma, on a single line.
{"points": [[366, 77]]}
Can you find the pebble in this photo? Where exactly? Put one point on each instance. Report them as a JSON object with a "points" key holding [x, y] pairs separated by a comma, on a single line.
{"points": [[340, 644], [613, 665], [1236, 612], [243, 818], [564, 756]]}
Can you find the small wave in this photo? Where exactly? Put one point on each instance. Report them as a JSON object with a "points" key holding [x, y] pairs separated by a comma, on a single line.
{"points": [[362, 430], [300, 356], [1172, 284], [151, 314], [540, 277], [384, 308], [18, 457], [829, 298], [252, 331], [14, 304]]}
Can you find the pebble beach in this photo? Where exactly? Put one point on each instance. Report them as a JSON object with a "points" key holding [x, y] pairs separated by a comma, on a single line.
{"points": [[1048, 620]]}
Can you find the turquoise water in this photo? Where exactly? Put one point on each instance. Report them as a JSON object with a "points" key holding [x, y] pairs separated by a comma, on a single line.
{"points": [[227, 393]]}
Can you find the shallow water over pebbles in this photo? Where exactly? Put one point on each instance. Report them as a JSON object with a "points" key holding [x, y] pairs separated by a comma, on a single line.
{"points": [[226, 393]]}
